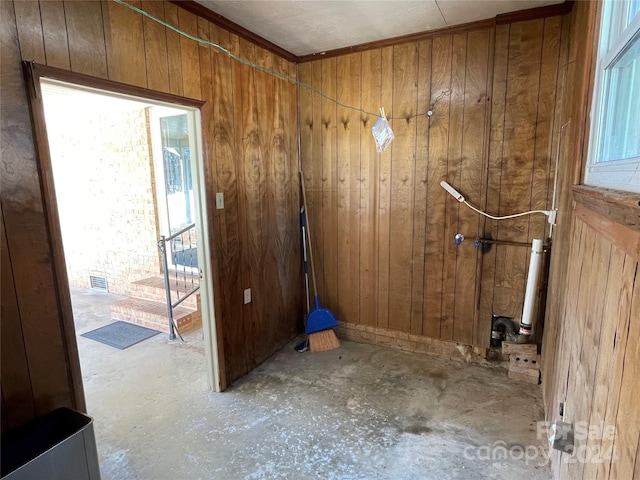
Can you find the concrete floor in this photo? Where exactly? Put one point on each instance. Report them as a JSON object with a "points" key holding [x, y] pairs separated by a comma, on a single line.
{"points": [[358, 412]]}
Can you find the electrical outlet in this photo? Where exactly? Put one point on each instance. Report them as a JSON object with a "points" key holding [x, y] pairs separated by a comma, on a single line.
{"points": [[220, 201], [247, 295]]}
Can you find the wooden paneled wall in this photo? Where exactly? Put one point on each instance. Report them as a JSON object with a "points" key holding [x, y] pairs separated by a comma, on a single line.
{"points": [[383, 227], [250, 150], [35, 364], [597, 365], [590, 354]]}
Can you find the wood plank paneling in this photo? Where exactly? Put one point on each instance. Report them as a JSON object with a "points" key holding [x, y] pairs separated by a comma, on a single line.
{"points": [[315, 216], [309, 121], [523, 78], [252, 171], [371, 71], [384, 200], [312, 130], [155, 47], [529, 63], [494, 177], [30, 255], [621, 235], [30, 34], [471, 180], [188, 23], [627, 424], [56, 44], [16, 383], [108, 40], [327, 271], [225, 151], [438, 124], [559, 258], [421, 179], [348, 70], [210, 170], [590, 354], [285, 226], [612, 343], [86, 37], [599, 322], [124, 38], [544, 160], [591, 296], [454, 176], [173, 50], [405, 83], [482, 142]]}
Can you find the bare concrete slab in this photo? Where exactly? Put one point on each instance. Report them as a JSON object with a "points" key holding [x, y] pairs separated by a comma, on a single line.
{"points": [[359, 412]]}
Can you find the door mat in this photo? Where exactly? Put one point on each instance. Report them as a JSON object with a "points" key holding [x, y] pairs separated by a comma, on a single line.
{"points": [[120, 334]]}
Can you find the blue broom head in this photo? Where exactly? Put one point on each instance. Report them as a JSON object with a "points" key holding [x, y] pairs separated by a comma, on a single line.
{"points": [[320, 319]]}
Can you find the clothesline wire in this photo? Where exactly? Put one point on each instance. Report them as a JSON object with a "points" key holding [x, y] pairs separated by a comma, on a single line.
{"points": [[275, 73]]}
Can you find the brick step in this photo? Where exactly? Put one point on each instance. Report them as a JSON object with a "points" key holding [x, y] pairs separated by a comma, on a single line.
{"points": [[152, 314], [152, 288]]}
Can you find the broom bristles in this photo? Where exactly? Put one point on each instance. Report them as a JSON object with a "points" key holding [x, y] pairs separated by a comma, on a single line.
{"points": [[323, 340]]}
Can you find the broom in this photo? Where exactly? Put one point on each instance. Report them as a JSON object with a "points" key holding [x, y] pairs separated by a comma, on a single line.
{"points": [[304, 346], [320, 320]]}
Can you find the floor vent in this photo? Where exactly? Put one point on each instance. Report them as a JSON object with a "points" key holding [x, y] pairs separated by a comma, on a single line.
{"points": [[98, 283]]}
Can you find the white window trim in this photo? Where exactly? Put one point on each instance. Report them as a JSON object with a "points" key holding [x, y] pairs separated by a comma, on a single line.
{"points": [[619, 174]]}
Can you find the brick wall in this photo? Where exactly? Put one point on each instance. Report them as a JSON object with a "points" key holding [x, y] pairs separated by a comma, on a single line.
{"points": [[105, 187]]}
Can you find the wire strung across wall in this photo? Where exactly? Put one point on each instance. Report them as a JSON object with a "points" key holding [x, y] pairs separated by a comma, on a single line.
{"points": [[275, 73]]}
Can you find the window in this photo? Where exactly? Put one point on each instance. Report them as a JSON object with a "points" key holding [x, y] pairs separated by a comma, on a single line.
{"points": [[614, 151]]}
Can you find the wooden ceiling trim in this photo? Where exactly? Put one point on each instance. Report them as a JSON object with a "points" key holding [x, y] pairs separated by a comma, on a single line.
{"points": [[534, 13], [232, 27], [412, 37], [522, 15]]}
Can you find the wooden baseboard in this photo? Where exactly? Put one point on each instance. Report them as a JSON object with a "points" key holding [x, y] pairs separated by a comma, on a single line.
{"points": [[415, 343]]}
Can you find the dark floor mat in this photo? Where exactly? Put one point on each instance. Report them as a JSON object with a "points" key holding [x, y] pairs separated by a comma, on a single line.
{"points": [[120, 334]]}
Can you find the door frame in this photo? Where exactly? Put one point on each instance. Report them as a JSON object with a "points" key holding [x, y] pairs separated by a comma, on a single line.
{"points": [[160, 174], [214, 352]]}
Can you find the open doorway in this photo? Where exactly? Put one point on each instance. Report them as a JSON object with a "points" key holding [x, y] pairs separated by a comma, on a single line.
{"points": [[127, 203], [126, 179]]}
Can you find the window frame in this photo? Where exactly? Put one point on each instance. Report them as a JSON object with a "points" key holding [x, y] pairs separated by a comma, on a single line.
{"points": [[612, 174]]}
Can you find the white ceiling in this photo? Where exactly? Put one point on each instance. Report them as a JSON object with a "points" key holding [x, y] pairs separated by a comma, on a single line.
{"points": [[312, 26]]}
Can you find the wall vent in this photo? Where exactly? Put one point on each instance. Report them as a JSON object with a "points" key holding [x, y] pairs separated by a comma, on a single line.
{"points": [[98, 283]]}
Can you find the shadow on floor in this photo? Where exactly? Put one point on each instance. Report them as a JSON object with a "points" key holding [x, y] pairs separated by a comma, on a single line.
{"points": [[358, 412]]}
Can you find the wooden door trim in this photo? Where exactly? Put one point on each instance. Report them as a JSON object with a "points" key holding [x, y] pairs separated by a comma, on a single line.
{"points": [[33, 73]]}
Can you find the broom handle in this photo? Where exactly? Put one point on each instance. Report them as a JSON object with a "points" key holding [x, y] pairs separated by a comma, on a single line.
{"points": [[313, 268]]}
